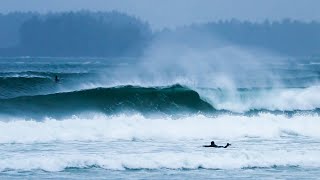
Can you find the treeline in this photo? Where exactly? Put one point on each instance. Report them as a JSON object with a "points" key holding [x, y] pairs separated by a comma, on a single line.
{"points": [[82, 33], [288, 37], [112, 34], [9, 27]]}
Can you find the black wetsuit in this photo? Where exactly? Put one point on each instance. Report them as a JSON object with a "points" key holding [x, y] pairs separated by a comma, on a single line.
{"points": [[215, 146], [56, 79]]}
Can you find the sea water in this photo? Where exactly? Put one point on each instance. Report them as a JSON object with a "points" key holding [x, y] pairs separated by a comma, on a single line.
{"points": [[94, 125]]}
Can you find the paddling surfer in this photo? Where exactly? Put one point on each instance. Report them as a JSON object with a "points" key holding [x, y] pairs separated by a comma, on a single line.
{"points": [[216, 146]]}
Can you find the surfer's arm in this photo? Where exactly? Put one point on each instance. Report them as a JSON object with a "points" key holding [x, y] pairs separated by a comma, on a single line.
{"points": [[227, 145]]}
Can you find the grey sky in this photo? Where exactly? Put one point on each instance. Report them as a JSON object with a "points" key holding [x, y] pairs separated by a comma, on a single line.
{"points": [[170, 13]]}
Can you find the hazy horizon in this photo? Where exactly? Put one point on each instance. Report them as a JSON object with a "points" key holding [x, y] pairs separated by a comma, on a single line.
{"points": [[178, 13]]}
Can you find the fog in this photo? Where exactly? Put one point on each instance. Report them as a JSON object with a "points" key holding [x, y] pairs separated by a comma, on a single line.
{"points": [[172, 13], [197, 58]]}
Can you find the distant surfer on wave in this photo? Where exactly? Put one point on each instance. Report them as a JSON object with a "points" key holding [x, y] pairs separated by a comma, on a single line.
{"points": [[56, 79], [216, 146]]}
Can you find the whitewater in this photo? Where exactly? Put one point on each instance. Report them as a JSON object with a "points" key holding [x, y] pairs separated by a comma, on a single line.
{"points": [[107, 119]]}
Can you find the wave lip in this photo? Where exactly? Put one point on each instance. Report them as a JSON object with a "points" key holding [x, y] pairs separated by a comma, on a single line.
{"points": [[270, 99]]}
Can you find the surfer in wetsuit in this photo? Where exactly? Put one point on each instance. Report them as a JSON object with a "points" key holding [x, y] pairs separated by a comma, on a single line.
{"points": [[216, 146], [56, 79]]}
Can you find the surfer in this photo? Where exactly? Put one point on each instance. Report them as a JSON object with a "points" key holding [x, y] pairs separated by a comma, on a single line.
{"points": [[216, 146], [56, 79]]}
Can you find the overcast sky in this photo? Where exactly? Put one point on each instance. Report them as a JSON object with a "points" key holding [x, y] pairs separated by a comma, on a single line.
{"points": [[171, 13]]}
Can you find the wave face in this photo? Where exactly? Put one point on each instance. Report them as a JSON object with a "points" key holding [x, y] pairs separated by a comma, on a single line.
{"points": [[171, 100], [166, 100], [28, 83]]}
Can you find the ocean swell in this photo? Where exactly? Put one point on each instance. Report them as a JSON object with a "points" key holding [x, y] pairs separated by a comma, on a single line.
{"points": [[167, 100]]}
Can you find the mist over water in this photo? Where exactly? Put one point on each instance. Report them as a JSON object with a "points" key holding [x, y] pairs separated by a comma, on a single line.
{"points": [[224, 75], [227, 76]]}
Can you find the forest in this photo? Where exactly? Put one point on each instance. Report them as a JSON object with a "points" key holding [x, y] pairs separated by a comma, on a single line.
{"points": [[114, 34], [76, 34]]}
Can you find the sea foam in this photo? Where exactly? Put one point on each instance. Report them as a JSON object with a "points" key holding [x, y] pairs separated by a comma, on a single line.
{"points": [[283, 99], [163, 160], [127, 127]]}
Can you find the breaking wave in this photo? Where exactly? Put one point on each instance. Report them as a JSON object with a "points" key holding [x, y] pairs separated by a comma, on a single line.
{"points": [[165, 160], [170, 100], [137, 127], [166, 100]]}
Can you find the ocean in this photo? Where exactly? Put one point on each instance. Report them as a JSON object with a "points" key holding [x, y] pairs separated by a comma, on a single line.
{"points": [[118, 119]]}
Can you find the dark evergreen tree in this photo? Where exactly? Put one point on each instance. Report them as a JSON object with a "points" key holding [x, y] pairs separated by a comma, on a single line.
{"points": [[84, 34]]}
